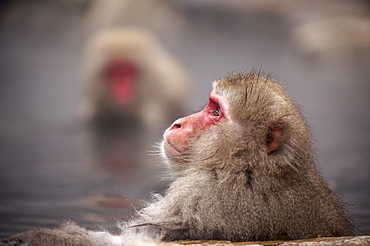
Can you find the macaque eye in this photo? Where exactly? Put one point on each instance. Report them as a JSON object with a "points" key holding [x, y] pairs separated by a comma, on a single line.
{"points": [[213, 108], [216, 113]]}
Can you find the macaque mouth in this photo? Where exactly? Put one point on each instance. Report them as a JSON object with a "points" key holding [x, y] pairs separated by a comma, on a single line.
{"points": [[121, 77]]}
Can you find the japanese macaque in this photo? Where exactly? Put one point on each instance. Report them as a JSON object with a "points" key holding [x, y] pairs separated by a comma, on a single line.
{"points": [[129, 78], [244, 170]]}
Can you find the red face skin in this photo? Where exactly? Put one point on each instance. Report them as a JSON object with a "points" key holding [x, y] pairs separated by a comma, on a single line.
{"points": [[184, 130], [121, 76]]}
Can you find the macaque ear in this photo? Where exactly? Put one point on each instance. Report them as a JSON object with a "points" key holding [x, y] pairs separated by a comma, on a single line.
{"points": [[274, 136]]}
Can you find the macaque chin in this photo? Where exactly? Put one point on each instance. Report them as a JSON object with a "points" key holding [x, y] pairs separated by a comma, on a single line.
{"points": [[129, 79]]}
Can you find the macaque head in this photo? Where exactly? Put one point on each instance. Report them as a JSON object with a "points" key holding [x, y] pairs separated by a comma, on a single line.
{"points": [[131, 80], [117, 61], [248, 121]]}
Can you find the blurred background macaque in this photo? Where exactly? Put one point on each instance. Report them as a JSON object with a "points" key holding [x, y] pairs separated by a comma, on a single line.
{"points": [[131, 80], [132, 90]]}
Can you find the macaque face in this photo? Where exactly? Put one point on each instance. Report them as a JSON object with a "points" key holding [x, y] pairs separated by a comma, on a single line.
{"points": [[179, 137], [121, 78]]}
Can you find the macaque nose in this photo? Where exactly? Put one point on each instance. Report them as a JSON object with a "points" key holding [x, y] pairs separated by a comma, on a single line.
{"points": [[187, 124], [176, 125]]}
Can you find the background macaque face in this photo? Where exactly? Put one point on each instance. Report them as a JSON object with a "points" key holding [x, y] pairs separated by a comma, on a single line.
{"points": [[121, 77]]}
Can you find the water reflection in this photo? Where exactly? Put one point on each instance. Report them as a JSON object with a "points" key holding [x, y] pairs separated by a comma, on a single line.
{"points": [[122, 152], [119, 155], [90, 176]]}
